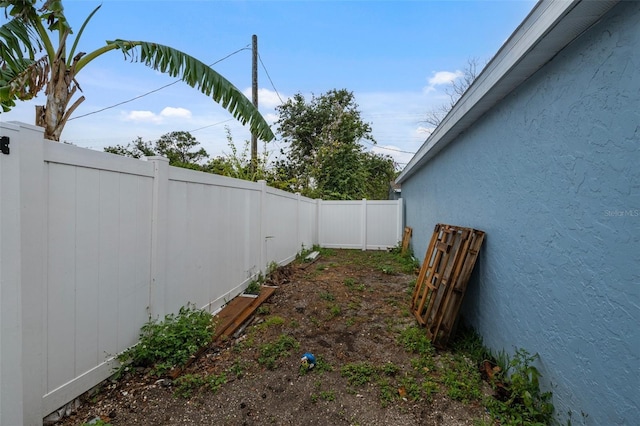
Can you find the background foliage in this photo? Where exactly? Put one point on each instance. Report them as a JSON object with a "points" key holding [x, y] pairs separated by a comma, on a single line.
{"points": [[324, 159]]}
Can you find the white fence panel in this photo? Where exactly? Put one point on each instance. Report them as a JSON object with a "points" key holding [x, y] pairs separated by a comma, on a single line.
{"points": [[214, 238], [379, 215], [98, 231], [366, 225], [92, 244], [281, 218], [340, 224], [308, 224]]}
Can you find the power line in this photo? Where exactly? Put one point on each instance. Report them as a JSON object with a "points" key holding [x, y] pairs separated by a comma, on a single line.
{"points": [[210, 125], [389, 149], [269, 77], [155, 90]]}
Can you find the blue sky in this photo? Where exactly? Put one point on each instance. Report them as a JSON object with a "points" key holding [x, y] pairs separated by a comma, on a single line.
{"points": [[397, 57]]}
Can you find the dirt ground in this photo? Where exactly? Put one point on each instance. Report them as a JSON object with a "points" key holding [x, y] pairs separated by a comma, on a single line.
{"points": [[347, 308]]}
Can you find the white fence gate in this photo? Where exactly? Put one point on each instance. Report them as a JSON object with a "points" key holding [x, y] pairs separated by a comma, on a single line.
{"points": [[92, 244]]}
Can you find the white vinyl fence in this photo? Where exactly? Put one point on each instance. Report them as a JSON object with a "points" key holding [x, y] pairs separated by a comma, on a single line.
{"points": [[93, 244]]}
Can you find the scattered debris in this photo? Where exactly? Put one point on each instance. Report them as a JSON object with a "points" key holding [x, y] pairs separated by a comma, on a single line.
{"points": [[308, 360]]}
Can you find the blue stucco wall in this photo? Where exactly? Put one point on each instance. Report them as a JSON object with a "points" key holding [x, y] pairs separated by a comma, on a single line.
{"points": [[552, 174]]}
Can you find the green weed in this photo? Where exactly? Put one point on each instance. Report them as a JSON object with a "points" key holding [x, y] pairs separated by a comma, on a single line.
{"points": [[185, 385], [238, 368], [414, 340], [269, 353], [462, 378], [169, 343], [328, 395], [411, 387], [359, 373], [263, 310], [273, 321], [390, 369], [215, 382], [350, 283], [329, 297], [255, 285], [335, 310], [387, 391], [525, 403]]}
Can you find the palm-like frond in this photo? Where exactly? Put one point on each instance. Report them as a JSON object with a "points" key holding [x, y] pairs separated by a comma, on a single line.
{"points": [[17, 41], [22, 81], [200, 76], [21, 77]]}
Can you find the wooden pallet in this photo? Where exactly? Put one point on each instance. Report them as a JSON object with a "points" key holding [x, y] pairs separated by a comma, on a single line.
{"points": [[406, 238], [443, 279]]}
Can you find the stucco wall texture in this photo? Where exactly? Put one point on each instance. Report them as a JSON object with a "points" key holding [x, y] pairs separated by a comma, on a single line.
{"points": [[552, 174]]}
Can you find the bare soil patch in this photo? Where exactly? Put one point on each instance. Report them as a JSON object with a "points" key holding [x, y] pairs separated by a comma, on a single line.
{"points": [[348, 308]]}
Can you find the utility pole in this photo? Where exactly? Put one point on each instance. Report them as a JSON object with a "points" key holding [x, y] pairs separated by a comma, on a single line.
{"points": [[254, 95]]}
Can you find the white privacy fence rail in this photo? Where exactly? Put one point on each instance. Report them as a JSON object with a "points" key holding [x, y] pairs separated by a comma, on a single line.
{"points": [[92, 244]]}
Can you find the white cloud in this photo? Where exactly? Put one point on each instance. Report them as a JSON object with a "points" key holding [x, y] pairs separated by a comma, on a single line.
{"points": [[440, 78], [142, 117], [444, 77], [266, 98], [152, 117], [175, 112]]}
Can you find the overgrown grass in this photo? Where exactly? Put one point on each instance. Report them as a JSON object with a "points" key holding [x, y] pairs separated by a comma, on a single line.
{"points": [[389, 262]]}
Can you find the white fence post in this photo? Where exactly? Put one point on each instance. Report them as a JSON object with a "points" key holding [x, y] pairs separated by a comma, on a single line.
{"points": [[364, 224], [263, 225], [11, 380], [319, 222], [159, 224], [22, 262], [298, 221], [33, 243], [400, 220]]}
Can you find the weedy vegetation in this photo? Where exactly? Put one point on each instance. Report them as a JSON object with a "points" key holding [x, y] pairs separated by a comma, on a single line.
{"points": [[271, 352], [169, 343]]}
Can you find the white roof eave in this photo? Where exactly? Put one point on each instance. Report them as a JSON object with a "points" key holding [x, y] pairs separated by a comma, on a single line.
{"points": [[550, 26]]}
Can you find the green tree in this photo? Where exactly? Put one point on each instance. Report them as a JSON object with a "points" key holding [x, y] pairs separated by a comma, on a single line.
{"points": [[381, 171], [325, 158], [181, 148], [136, 149], [31, 60]]}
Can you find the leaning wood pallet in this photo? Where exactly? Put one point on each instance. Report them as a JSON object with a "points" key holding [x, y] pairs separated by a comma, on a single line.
{"points": [[443, 279], [406, 238]]}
